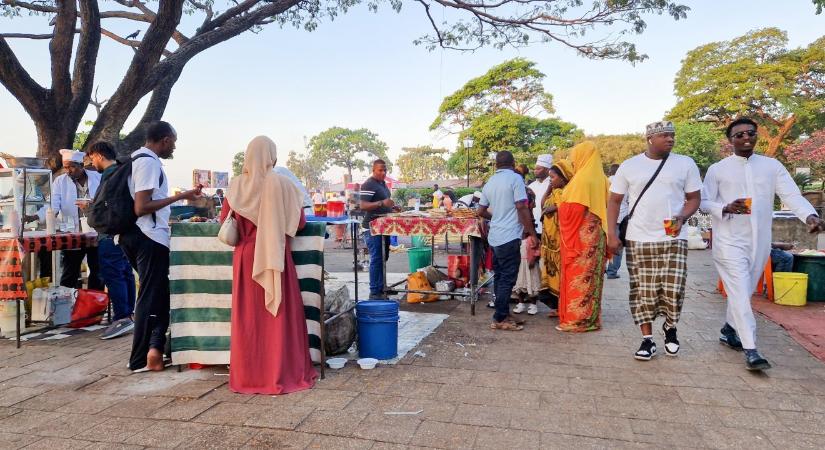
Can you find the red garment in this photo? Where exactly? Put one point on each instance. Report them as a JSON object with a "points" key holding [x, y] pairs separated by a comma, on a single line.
{"points": [[582, 273], [268, 354]]}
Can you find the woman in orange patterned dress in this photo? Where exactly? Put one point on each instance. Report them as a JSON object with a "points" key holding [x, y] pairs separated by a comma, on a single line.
{"points": [[583, 228]]}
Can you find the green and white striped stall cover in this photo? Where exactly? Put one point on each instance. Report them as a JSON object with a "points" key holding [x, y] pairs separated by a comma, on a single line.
{"points": [[200, 281]]}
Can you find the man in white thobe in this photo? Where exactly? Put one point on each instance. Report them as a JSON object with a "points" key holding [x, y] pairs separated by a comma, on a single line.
{"points": [[739, 193]]}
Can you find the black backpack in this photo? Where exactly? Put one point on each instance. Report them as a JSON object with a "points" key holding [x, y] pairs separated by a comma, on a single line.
{"points": [[112, 211]]}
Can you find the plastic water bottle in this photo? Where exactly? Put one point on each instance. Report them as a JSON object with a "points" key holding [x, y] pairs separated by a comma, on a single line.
{"points": [[51, 225]]}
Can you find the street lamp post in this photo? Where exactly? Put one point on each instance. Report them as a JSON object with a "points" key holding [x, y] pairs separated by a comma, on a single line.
{"points": [[468, 144]]}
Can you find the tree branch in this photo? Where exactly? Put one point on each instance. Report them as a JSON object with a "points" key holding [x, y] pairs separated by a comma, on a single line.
{"points": [[131, 89], [154, 112], [85, 60], [19, 83], [60, 49], [204, 40], [27, 35], [29, 6]]}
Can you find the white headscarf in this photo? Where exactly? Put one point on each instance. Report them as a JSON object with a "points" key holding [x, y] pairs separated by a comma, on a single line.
{"points": [[273, 204]]}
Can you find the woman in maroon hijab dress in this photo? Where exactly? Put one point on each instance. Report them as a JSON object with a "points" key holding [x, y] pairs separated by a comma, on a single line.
{"points": [[269, 348]]}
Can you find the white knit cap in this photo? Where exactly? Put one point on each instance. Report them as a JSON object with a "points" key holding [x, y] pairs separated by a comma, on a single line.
{"points": [[545, 161]]}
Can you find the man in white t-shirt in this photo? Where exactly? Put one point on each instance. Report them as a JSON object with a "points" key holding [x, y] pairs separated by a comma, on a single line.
{"points": [[616, 262], [656, 240], [147, 245]]}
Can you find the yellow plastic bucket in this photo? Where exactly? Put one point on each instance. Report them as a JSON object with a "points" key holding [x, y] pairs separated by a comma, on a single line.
{"points": [[790, 288]]}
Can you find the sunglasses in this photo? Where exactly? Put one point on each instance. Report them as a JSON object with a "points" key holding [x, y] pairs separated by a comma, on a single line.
{"points": [[741, 134]]}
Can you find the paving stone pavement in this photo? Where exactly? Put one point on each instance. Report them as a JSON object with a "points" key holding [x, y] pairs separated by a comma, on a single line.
{"points": [[475, 388]]}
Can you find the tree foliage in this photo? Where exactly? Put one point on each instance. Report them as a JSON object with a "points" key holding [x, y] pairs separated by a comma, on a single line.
{"points": [[526, 137], [343, 147], [615, 148], [514, 85], [755, 75], [422, 163], [809, 152], [820, 5], [700, 141], [162, 47], [306, 169], [237, 163]]}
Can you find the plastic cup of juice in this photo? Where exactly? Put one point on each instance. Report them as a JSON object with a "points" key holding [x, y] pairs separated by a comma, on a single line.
{"points": [[748, 204], [669, 228]]}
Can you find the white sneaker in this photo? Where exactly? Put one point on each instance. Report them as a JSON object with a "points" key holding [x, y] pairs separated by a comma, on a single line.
{"points": [[533, 309], [519, 308]]}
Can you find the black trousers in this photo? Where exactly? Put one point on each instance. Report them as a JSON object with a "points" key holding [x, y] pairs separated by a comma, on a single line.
{"points": [[70, 277], [151, 261]]}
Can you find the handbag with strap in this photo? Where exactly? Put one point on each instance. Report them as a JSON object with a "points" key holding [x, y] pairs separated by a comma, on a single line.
{"points": [[624, 223], [229, 234]]}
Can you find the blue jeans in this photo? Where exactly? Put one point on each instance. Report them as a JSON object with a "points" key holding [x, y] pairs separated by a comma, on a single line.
{"points": [[781, 260], [376, 263], [506, 260], [118, 277], [615, 263]]}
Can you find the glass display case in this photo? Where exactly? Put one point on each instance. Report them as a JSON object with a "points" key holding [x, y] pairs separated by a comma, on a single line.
{"points": [[25, 194]]}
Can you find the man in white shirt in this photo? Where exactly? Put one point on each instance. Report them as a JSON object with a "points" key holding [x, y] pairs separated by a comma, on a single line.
{"points": [[71, 189], [616, 262], [656, 240], [739, 193], [540, 185], [318, 198], [307, 199], [147, 245]]}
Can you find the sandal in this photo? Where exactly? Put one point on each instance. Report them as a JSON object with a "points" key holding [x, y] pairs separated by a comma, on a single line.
{"points": [[506, 326], [553, 313], [515, 321]]}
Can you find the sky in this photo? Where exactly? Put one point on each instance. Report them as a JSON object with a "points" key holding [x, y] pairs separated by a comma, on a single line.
{"points": [[363, 70]]}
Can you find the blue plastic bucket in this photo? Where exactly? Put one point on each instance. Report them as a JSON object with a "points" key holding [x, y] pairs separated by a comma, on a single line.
{"points": [[377, 329]]}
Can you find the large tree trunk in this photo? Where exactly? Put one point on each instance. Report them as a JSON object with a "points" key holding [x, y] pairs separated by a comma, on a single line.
{"points": [[777, 139]]}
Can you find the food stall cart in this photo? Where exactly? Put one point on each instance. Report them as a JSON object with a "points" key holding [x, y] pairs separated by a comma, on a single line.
{"points": [[467, 225], [200, 282], [25, 192]]}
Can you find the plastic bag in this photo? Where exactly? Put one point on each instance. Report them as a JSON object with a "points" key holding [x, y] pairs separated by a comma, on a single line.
{"points": [[417, 281], [89, 308]]}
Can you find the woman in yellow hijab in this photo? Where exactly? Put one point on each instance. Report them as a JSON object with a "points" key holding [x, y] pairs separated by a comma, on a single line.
{"points": [[560, 174], [582, 216]]}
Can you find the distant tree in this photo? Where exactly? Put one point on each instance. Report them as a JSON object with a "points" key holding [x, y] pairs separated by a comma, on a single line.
{"points": [[342, 147], [422, 163], [820, 4], [237, 163], [700, 141], [514, 85], [615, 148], [308, 171], [755, 75], [809, 152], [527, 137]]}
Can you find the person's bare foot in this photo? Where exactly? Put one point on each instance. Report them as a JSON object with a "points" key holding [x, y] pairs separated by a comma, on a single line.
{"points": [[154, 360]]}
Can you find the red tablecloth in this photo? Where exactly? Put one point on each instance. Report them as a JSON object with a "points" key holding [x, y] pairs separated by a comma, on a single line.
{"points": [[12, 286], [425, 226]]}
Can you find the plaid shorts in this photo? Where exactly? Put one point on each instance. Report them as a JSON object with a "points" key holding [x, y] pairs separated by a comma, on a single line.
{"points": [[658, 271]]}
